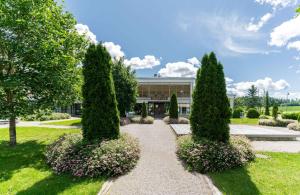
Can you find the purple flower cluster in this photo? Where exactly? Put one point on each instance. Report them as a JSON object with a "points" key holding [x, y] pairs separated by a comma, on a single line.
{"points": [[69, 154]]}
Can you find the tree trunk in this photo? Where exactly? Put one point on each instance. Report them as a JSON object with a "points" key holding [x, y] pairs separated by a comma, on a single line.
{"points": [[12, 131]]}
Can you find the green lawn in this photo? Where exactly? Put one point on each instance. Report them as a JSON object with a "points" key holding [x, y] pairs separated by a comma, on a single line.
{"points": [[289, 108], [75, 122], [244, 121], [23, 169], [279, 174]]}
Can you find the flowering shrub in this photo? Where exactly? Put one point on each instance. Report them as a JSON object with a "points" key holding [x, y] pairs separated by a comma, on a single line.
{"points": [[69, 154], [275, 123], [290, 115], [264, 117], [294, 126], [140, 120], [180, 120], [46, 116], [209, 156]]}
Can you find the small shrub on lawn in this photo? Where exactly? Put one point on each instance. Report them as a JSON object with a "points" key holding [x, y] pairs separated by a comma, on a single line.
{"points": [[210, 156], [237, 113], [69, 154], [275, 123], [46, 117], [252, 113], [141, 120], [290, 115], [294, 126], [264, 117], [180, 120]]}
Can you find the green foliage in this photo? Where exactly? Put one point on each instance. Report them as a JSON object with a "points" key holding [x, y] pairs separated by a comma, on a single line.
{"points": [[275, 112], [125, 86], [46, 117], [237, 112], [210, 112], [70, 154], [142, 120], [252, 113], [173, 107], [100, 117], [290, 115], [179, 120], [252, 97], [210, 156], [275, 123], [298, 10], [144, 110], [267, 104]]}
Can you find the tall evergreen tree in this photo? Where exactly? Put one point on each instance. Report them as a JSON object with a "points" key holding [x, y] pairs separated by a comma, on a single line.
{"points": [[267, 104], [173, 107], [210, 108], [100, 117], [252, 97], [144, 110]]}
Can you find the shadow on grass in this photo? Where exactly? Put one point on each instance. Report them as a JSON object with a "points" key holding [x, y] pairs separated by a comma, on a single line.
{"points": [[234, 181]]}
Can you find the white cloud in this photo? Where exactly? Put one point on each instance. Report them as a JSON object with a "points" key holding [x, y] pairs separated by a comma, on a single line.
{"points": [[148, 61], [179, 69], [294, 45], [283, 95], [267, 83], [114, 50], [297, 57], [284, 32], [83, 29], [263, 20], [193, 61], [232, 46], [277, 3]]}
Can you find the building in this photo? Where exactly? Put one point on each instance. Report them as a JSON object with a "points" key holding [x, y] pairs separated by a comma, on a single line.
{"points": [[157, 91]]}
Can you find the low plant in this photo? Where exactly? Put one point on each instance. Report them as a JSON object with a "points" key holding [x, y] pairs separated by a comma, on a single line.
{"points": [[210, 156], [290, 115], [252, 113], [264, 117], [46, 117], [141, 120], [294, 126], [275, 123], [144, 110], [70, 154], [237, 113], [179, 120]]}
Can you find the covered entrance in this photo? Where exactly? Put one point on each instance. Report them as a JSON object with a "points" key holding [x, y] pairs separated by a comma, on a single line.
{"points": [[157, 109]]}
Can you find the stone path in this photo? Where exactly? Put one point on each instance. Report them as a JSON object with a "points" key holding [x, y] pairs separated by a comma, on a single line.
{"points": [[158, 170]]}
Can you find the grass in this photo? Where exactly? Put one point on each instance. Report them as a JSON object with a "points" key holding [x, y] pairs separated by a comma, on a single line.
{"points": [[23, 169], [75, 122], [244, 121], [289, 108], [279, 174]]}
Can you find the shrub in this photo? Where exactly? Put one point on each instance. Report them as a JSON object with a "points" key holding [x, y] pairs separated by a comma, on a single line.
{"points": [[294, 126], [174, 107], [275, 112], [210, 156], [69, 154], [252, 113], [141, 120], [237, 113], [46, 117], [290, 115], [275, 123], [179, 120], [144, 110], [264, 117]]}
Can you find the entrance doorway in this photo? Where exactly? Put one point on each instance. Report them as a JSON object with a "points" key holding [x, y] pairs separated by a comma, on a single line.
{"points": [[159, 109]]}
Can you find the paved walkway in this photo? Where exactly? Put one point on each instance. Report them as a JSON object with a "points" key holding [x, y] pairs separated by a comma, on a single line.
{"points": [[158, 170]]}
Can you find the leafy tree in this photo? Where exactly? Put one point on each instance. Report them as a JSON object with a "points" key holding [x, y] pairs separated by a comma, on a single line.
{"points": [[267, 104], [144, 110], [210, 112], [275, 112], [252, 97], [100, 117], [298, 10], [173, 107], [125, 86], [40, 48]]}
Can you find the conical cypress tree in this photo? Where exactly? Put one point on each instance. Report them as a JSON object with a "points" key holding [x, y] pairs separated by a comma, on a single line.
{"points": [[100, 117], [210, 108], [267, 104], [174, 107], [144, 110]]}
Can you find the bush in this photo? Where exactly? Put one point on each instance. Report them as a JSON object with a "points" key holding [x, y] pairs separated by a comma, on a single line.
{"points": [[275, 123], [69, 154], [46, 117], [275, 112], [237, 113], [264, 117], [211, 156], [290, 115], [144, 110], [180, 120], [252, 113], [174, 107], [141, 120], [294, 126]]}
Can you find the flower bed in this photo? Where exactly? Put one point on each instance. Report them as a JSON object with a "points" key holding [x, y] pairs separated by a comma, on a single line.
{"points": [[294, 126], [275, 123], [141, 120], [180, 120]]}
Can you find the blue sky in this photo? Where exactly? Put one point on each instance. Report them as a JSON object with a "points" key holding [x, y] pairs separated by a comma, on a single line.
{"points": [[256, 40]]}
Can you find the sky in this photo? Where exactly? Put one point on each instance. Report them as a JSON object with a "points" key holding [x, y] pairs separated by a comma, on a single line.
{"points": [[257, 41]]}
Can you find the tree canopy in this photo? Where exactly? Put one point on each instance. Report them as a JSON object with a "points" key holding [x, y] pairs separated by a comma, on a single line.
{"points": [[40, 49], [252, 97]]}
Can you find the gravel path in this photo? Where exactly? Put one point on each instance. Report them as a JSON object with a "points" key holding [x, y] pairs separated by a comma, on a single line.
{"points": [[158, 170]]}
